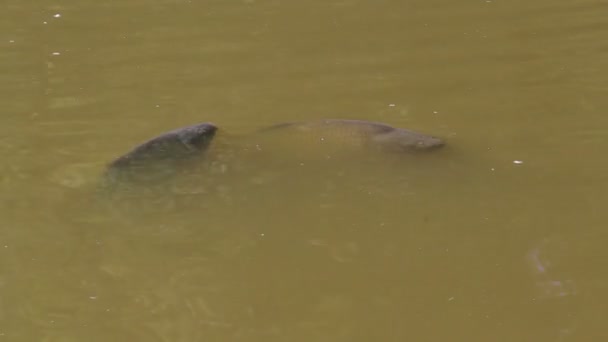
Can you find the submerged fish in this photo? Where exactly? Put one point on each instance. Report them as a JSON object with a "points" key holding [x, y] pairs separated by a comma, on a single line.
{"points": [[162, 154], [339, 134]]}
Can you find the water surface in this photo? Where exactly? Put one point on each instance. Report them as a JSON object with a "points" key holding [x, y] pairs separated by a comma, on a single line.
{"points": [[498, 237]]}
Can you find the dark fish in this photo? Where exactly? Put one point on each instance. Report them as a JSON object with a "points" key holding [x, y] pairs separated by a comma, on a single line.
{"points": [[163, 154], [337, 134]]}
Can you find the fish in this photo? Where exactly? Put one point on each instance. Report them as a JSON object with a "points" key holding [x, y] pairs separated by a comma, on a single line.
{"points": [[336, 135], [162, 155]]}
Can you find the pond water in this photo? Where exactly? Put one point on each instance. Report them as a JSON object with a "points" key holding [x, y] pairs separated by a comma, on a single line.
{"points": [[499, 236]]}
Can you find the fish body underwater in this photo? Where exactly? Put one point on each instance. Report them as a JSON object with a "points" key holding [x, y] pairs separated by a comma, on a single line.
{"points": [[334, 136]]}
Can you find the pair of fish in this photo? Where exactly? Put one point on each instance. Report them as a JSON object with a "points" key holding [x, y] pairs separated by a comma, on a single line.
{"points": [[187, 146]]}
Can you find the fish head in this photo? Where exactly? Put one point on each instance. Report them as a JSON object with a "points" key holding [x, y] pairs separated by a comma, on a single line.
{"points": [[428, 142], [197, 137], [403, 140]]}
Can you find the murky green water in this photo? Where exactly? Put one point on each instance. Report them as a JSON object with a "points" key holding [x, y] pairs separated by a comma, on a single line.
{"points": [[498, 237]]}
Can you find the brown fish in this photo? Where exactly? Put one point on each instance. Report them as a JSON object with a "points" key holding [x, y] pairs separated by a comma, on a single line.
{"points": [[340, 134]]}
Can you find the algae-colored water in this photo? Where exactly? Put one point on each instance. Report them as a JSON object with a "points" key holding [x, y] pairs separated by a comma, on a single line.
{"points": [[498, 237]]}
